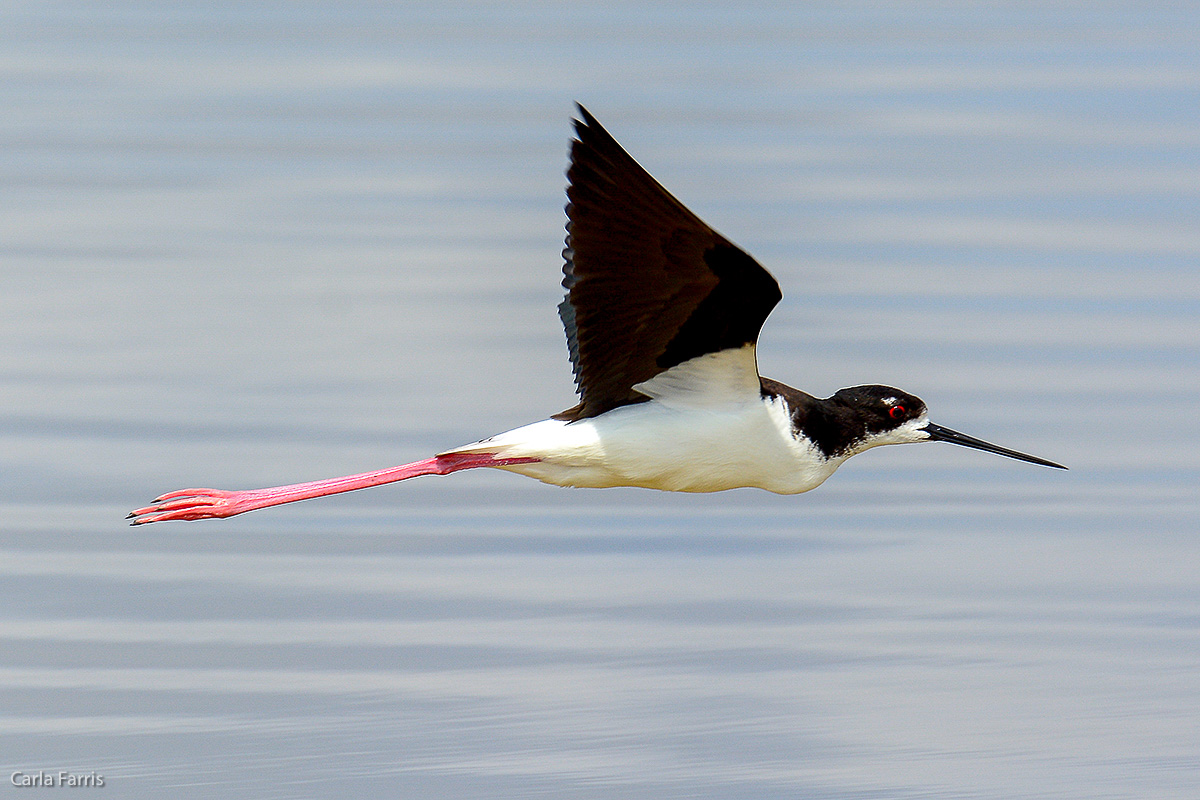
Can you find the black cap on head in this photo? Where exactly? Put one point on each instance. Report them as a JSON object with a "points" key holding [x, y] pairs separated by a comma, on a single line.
{"points": [[881, 408]]}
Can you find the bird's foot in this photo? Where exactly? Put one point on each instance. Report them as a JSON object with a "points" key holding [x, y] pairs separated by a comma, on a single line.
{"points": [[187, 504]]}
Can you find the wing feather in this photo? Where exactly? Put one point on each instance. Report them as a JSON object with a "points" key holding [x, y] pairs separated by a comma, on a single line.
{"points": [[649, 285]]}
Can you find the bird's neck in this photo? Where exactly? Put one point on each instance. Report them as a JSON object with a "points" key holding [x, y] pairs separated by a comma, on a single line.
{"points": [[833, 427]]}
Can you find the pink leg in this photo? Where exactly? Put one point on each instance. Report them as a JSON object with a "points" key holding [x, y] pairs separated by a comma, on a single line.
{"points": [[214, 503]]}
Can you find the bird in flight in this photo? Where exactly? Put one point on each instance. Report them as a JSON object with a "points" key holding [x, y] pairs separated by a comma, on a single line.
{"points": [[662, 314]]}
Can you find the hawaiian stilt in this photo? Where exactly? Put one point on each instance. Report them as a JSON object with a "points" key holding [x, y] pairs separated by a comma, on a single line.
{"points": [[661, 315]]}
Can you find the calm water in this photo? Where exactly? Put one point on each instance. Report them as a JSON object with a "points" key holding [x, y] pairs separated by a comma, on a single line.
{"points": [[252, 244]]}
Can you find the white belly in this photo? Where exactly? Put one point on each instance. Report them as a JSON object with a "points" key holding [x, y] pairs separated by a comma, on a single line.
{"points": [[669, 448]]}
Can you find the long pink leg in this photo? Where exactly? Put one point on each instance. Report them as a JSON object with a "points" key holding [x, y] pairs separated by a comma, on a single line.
{"points": [[215, 503]]}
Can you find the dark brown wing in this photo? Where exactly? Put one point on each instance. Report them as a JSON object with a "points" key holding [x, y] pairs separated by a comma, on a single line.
{"points": [[649, 285]]}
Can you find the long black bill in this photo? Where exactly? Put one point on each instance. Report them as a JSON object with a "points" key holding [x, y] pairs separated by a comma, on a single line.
{"points": [[939, 434]]}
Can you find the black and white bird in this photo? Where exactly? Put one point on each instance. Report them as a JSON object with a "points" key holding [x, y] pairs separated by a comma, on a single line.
{"points": [[662, 314]]}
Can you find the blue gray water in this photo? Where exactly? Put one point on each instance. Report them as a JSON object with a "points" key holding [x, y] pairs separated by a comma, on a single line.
{"points": [[249, 244]]}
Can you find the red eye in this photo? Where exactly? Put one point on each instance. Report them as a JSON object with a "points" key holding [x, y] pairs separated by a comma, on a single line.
{"points": [[896, 412]]}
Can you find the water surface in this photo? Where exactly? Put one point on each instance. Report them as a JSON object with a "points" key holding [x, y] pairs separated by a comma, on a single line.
{"points": [[245, 245]]}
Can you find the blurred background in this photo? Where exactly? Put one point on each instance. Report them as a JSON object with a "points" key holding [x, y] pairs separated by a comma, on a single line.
{"points": [[249, 244]]}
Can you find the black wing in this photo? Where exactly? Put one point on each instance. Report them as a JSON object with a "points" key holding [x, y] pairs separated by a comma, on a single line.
{"points": [[649, 285]]}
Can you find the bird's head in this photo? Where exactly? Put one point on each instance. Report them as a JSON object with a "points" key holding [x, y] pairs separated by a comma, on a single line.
{"points": [[890, 416]]}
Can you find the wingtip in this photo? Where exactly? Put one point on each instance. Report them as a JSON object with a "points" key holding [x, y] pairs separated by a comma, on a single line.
{"points": [[587, 126], [582, 121]]}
